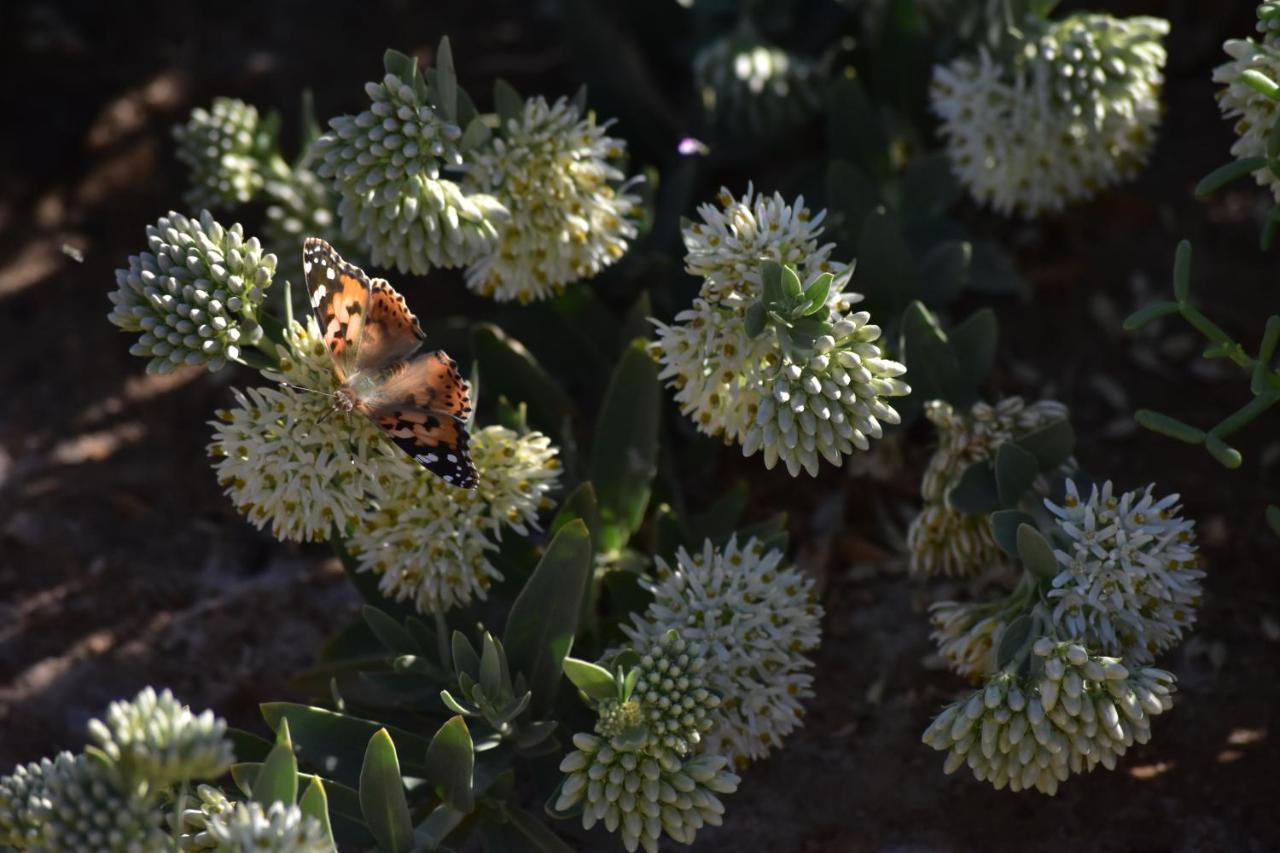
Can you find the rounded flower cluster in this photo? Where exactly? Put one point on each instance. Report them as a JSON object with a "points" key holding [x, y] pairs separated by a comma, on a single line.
{"points": [[1253, 112], [641, 796], [794, 404], [278, 829], [387, 166], [429, 542], [1129, 584], [550, 167], [942, 540], [1074, 111], [195, 819], [194, 296], [966, 635], [1075, 712], [21, 796], [300, 205], [672, 695], [756, 620], [752, 86], [828, 403], [220, 147], [85, 806], [157, 740]]}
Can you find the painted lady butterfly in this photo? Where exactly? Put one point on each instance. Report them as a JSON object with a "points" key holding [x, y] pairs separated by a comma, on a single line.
{"points": [[421, 403]]}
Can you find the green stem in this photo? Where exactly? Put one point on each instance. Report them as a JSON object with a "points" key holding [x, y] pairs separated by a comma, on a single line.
{"points": [[1245, 414]]}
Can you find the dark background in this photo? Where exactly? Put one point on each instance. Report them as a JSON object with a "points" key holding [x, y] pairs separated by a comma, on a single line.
{"points": [[122, 565]]}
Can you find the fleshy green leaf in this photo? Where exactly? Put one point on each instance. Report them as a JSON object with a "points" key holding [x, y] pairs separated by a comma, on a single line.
{"points": [[973, 342], [450, 765], [1226, 455], [1050, 444], [624, 456], [277, 780], [1015, 469], [593, 680], [1036, 553], [446, 80], [389, 632], [507, 102], [1012, 639], [538, 835], [544, 617], [333, 742], [771, 277], [755, 319], [1005, 524], [1168, 426], [791, 286], [887, 273], [817, 292], [1146, 314], [510, 370], [1226, 174], [944, 271], [443, 820], [382, 797], [315, 803], [975, 492]]}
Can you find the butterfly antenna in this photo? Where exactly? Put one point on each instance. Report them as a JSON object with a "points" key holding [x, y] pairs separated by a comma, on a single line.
{"points": [[308, 390]]}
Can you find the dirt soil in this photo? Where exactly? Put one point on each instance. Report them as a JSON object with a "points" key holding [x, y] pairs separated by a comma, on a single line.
{"points": [[121, 564]]}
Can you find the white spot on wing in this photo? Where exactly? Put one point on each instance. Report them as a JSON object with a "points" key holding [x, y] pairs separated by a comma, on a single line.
{"points": [[318, 296], [306, 265], [328, 273]]}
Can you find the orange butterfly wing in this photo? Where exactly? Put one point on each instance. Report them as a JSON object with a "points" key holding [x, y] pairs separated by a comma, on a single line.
{"points": [[340, 297]]}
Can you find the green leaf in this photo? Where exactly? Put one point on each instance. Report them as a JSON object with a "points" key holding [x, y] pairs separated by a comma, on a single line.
{"points": [[476, 134], [1182, 272], [580, 504], [929, 186], [624, 456], [544, 617], [443, 820], [592, 679], [755, 319], [1273, 518], [1168, 426], [1016, 469], [315, 804], [400, 65], [446, 81], [944, 272], [791, 286], [718, 521], [1012, 639], [1005, 524], [248, 746], [816, 293], [771, 277], [1146, 314], [451, 761], [493, 675], [932, 366], [1228, 173], [277, 780], [511, 370], [636, 323], [382, 797], [975, 492], [887, 273], [540, 837], [507, 102], [331, 741], [1050, 444], [854, 129], [389, 632], [851, 196], [342, 800], [992, 270], [1226, 455], [1036, 553], [973, 343]]}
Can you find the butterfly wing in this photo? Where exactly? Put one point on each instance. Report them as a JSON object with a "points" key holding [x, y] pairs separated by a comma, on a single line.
{"points": [[391, 332], [422, 405], [340, 296]]}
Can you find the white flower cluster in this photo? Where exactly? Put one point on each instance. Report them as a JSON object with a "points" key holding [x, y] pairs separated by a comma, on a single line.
{"points": [[788, 403], [21, 796], [429, 542], [219, 145], [570, 212], [278, 829], [756, 620], [387, 165], [1253, 112], [640, 773], [1075, 110], [1074, 712], [194, 296], [300, 205], [86, 805], [1129, 584], [193, 823], [156, 739], [967, 634], [751, 86], [942, 540]]}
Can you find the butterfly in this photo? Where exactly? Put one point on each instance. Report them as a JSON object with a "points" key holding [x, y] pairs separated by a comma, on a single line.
{"points": [[421, 403]]}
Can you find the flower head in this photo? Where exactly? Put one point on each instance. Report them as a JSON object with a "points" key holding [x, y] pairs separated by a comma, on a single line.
{"points": [[672, 695], [194, 295], [1073, 111], [22, 793], [751, 86], [755, 619], [942, 539], [1253, 112], [157, 741], [1071, 712], [194, 821], [429, 542], [967, 635], [387, 165], [86, 806], [551, 168], [300, 205], [278, 829], [1129, 584], [640, 796], [222, 148]]}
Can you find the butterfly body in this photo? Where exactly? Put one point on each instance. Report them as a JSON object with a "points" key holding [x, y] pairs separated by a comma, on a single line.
{"points": [[421, 401]]}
